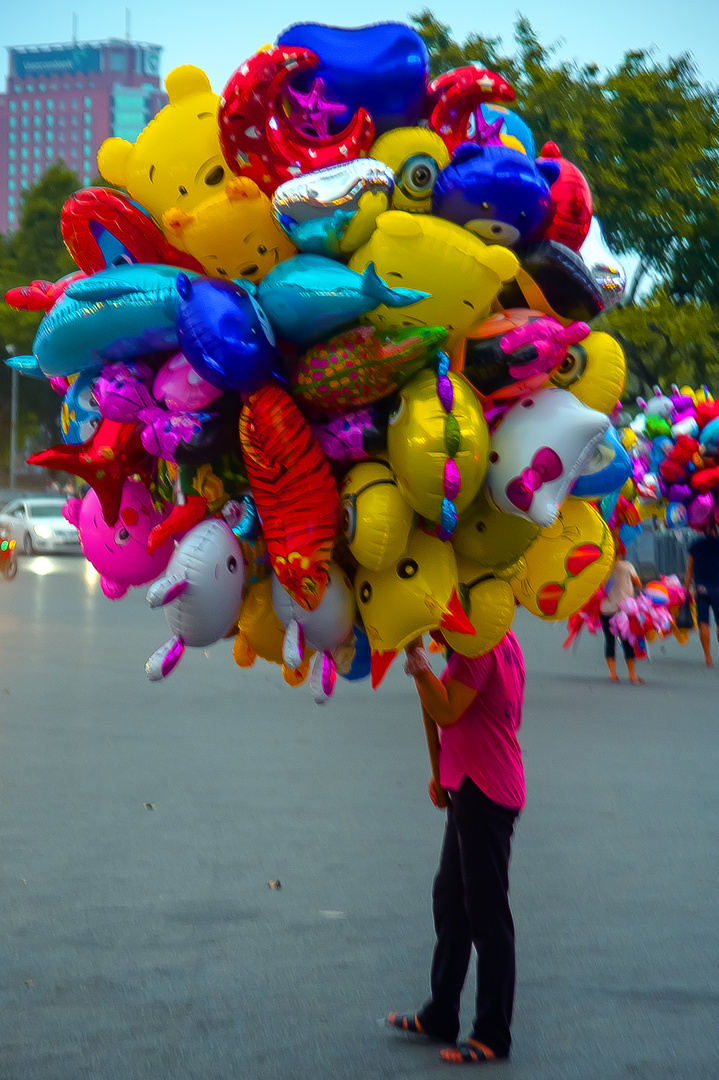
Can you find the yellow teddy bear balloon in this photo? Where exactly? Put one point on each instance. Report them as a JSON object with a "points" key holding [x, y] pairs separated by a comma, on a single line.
{"points": [[490, 606], [375, 519], [177, 159], [416, 156], [422, 437], [419, 251], [415, 594], [566, 564], [233, 234], [490, 537], [595, 371]]}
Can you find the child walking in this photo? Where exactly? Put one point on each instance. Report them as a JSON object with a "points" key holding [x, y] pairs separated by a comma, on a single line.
{"points": [[477, 706]]}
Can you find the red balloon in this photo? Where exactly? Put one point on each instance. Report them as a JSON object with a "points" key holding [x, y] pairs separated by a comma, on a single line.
{"points": [[454, 96], [258, 137], [573, 201], [296, 496], [114, 453], [40, 295], [93, 209]]}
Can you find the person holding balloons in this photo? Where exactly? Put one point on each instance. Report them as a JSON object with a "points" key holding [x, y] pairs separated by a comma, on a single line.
{"points": [[620, 586], [477, 707], [703, 576]]}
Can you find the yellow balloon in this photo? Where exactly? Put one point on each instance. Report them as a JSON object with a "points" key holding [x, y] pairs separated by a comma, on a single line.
{"points": [[489, 603], [629, 490], [233, 234], [595, 371], [375, 519], [566, 564], [629, 438], [490, 537], [419, 251], [421, 434], [416, 594], [177, 159], [416, 156], [260, 633]]}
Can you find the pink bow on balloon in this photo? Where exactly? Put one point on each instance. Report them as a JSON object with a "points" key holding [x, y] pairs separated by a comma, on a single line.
{"points": [[546, 466]]}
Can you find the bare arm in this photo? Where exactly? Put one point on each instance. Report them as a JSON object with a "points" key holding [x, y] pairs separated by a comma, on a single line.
{"points": [[444, 702]]}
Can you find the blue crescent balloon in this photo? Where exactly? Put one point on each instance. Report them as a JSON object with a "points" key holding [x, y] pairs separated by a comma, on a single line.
{"points": [[381, 68]]}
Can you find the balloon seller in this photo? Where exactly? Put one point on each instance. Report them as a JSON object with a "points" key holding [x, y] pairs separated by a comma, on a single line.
{"points": [[703, 576], [477, 706], [621, 585]]}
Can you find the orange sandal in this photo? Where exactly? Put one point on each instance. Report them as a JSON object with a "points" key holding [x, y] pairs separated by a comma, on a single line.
{"points": [[410, 1024], [468, 1053]]}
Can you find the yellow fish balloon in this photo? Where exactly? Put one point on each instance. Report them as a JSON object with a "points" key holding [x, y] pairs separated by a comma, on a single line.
{"points": [[490, 606], [490, 537], [566, 564]]}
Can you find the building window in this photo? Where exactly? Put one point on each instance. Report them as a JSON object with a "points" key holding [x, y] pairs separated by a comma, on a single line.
{"points": [[36, 151], [41, 87], [17, 88], [36, 169], [37, 121], [23, 153], [48, 151], [61, 137], [28, 87], [74, 121], [50, 104], [11, 170], [118, 61], [87, 135], [25, 137], [24, 185], [74, 103], [50, 120], [88, 103], [25, 122], [61, 121], [74, 137], [13, 122], [11, 217], [23, 170], [11, 185], [87, 118], [61, 104], [24, 106], [38, 104], [11, 137], [12, 153], [13, 106], [37, 136], [11, 200], [49, 136]]}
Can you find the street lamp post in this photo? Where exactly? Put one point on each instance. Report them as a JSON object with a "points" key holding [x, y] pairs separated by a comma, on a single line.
{"points": [[14, 386]]}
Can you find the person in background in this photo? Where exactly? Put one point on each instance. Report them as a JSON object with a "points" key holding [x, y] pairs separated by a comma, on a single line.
{"points": [[702, 577], [477, 706], [620, 586]]}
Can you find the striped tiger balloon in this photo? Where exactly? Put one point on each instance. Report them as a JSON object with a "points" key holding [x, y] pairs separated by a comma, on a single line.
{"points": [[294, 490]]}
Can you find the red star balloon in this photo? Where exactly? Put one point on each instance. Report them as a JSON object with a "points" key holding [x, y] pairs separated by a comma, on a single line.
{"points": [[114, 453]]}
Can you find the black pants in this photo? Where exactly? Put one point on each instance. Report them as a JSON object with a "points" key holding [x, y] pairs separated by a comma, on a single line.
{"points": [[470, 903], [610, 642]]}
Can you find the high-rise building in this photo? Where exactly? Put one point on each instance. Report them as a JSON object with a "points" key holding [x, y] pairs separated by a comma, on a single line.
{"points": [[63, 101]]}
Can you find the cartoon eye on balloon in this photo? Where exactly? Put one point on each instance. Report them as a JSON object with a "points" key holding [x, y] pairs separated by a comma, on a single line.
{"points": [[418, 175]]}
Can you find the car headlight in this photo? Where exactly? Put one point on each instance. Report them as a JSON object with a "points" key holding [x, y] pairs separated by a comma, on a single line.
{"points": [[43, 531]]}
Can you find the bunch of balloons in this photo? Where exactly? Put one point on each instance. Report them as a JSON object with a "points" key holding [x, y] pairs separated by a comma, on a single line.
{"points": [[674, 445], [328, 368], [640, 619]]}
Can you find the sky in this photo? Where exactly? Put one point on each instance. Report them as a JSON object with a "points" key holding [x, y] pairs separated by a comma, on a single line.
{"points": [[219, 35]]}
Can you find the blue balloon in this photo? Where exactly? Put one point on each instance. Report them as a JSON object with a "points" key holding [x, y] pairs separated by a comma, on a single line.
{"points": [[709, 437], [608, 470], [362, 662], [308, 298], [116, 314], [224, 334], [497, 193], [381, 68]]}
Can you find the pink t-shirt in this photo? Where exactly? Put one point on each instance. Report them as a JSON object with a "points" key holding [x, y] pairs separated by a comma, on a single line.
{"points": [[483, 743]]}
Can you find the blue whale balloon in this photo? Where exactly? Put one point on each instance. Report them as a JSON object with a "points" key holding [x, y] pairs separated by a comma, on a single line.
{"points": [[381, 68], [116, 314], [309, 297], [224, 334]]}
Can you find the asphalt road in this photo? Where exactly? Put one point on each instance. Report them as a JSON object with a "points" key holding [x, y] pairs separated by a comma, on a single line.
{"points": [[140, 825]]}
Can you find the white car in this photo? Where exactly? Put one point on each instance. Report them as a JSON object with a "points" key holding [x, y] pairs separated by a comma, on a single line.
{"points": [[37, 526]]}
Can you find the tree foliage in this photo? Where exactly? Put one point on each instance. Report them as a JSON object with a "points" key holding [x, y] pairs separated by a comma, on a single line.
{"points": [[646, 135]]}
